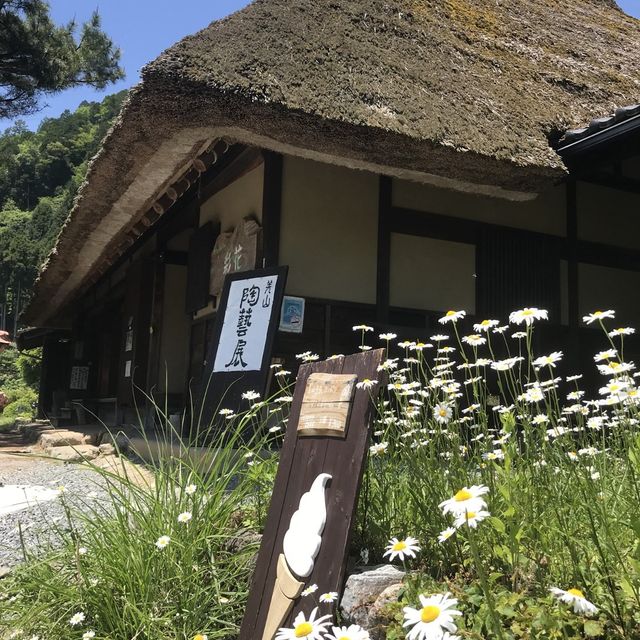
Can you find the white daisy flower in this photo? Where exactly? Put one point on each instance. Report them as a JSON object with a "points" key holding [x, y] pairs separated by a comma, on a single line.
{"points": [[470, 518], [378, 449], [401, 548], [83, 551], [88, 635], [190, 489], [443, 536], [605, 355], [467, 499], [388, 336], [433, 618], [184, 517], [282, 373], [366, 384], [519, 335], [576, 598], [573, 378], [485, 325], [528, 315], [452, 316], [330, 596], [548, 361], [598, 315], [311, 629], [622, 331], [162, 542], [439, 337], [475, 340], [442, 413], [250, 395], [614, 368], [352, 632], [505, 365], [540, 419], [77, 618], [312, 588], [362, 327]]}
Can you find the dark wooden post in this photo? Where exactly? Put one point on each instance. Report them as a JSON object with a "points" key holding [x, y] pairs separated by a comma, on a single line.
{"points": [[271, 208], [327, 433], [384, 249], [572, 270]]}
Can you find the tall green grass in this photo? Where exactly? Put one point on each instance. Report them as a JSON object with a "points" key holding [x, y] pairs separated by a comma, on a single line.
{"points": [[563, 473], [114, 569]]}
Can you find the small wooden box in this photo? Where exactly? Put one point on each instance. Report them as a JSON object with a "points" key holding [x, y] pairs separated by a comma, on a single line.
{"points": [[326, 404]]}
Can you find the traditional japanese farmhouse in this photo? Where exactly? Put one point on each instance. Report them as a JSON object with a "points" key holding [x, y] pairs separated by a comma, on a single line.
{"points": [[402, 157]]}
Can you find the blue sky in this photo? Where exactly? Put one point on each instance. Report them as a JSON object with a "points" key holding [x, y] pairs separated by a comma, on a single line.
{"points": [[144, 28]]}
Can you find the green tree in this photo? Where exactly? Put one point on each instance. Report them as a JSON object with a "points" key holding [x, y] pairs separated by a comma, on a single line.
{"points": [[40, 174], [38, 57]]}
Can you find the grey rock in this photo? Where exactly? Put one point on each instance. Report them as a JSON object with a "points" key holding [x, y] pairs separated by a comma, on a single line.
{"points": [[61, 438], [4, 572], [107, 449], [378, 618], [77, 453], [364, 588]]}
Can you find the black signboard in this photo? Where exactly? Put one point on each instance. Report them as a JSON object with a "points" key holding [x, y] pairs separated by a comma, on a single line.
{"points": [[240, 353]]}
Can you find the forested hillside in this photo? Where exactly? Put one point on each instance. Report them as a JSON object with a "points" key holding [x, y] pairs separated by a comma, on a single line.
{"points": [[40, 173]]}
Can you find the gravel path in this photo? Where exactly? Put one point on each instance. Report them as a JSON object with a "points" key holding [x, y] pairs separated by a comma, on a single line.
{"points": [[80, 484]]}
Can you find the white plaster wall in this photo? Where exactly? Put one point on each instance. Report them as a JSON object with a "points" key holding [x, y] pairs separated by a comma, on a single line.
{"points": [[545, 214], [329, 230], [174, 346], [240, 199], [434, 275]]}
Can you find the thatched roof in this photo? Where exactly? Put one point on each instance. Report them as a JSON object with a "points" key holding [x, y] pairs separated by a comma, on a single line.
{"points": [[463, 93]]}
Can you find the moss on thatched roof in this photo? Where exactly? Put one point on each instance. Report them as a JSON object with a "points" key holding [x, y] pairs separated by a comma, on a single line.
{"points": [[467, 91]]}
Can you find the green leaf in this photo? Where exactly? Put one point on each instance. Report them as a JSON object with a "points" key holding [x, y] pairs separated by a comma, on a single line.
{"points": [[497, 524], [593, 628]]}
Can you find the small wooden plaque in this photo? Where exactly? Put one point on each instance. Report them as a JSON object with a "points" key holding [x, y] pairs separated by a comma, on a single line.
{"points": [[326, 404]]}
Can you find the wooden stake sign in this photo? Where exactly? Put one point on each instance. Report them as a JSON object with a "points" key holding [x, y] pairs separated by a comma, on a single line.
{"points": [[315, 493]]}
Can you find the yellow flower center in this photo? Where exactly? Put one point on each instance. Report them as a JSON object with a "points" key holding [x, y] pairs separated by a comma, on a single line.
{"points": [[576, 592], [597, 313], [462, 495], [443, 413], [484, 323], [527, 312], [303, 630], [198, 636], [400, 546], [471, 515], [344, 638], [451, 313], [429, 613]]}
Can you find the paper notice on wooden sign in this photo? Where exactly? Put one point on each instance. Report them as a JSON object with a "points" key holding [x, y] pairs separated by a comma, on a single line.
{"points": [[246, 323], [79, 378]]}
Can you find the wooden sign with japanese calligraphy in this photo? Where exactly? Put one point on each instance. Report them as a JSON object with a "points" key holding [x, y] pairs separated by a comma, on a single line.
{"points": [[234, 252], [240, 353], [306, 536]]}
